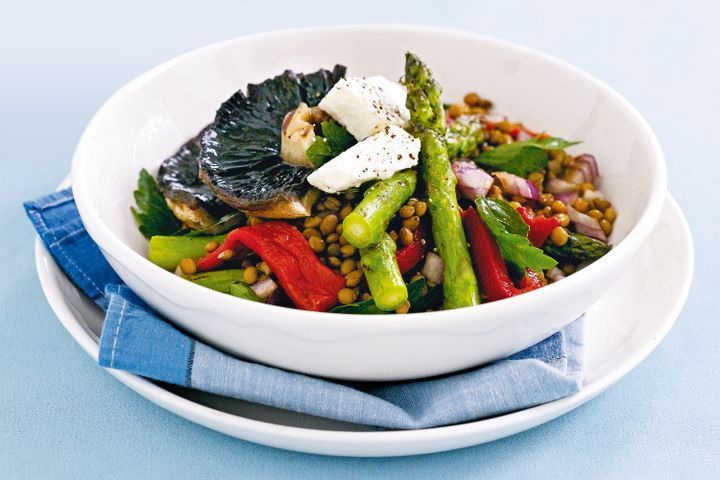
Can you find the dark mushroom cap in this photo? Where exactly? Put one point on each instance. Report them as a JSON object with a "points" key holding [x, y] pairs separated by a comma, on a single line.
{"points": [[240, 159], [178, 180]]}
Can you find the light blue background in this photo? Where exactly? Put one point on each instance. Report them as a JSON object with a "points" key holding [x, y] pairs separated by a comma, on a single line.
{"points": [[62, 416]]}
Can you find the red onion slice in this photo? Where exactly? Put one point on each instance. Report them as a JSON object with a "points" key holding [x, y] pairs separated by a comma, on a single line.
{"points": [[555, 274], [473, 181], [586, 224], [558, 185], [433, 268], [264, 288], [518, 185], [589, 166], [567, 198]]}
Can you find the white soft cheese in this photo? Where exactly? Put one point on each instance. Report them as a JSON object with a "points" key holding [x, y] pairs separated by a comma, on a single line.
{"points": [[364, 106], [375, 158]]}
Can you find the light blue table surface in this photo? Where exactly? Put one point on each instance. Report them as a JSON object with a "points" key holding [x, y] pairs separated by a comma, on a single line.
{"points": [[62, 416]]}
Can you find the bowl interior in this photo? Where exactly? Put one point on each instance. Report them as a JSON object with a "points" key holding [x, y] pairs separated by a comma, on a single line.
{"points": [[151, 117]]}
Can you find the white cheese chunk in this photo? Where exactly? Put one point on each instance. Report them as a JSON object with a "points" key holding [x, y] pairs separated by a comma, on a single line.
{"points": [[375, 158], [364, 106]]}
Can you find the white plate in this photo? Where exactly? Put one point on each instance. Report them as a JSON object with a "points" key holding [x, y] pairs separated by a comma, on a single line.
{"points": [[622, 329]]}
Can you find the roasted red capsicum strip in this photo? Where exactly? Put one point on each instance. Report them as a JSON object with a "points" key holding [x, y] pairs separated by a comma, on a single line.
{"points": [[540, 227], [489, 265], [410, 255], [309, 284]]}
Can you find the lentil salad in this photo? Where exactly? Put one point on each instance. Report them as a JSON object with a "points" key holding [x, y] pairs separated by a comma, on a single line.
{"points": [[361, 195]]}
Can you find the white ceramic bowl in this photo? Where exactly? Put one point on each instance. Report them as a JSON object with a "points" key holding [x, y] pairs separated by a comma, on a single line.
{"points": [[148, 119]]}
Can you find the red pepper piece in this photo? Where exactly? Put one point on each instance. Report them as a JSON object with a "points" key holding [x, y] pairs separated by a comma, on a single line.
{"points": [[540, 227], [514, 132], [489, 265], [309, 284], [410, 255]]}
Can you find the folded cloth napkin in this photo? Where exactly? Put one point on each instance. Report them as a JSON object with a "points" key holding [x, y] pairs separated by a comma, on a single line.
{"points": [[138, 340]]}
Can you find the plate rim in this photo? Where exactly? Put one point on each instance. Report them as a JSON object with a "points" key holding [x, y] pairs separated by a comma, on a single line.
{"points": [[377, 443]]}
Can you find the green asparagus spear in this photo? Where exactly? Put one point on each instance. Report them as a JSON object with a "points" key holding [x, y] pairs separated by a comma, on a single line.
{"points": [[578, 248], [423, 97], [219, 280], [460, 287], [383, 274], [366, 224], [167, 251], [463, 136]]}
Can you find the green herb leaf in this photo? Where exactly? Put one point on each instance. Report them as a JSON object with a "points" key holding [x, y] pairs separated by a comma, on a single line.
{"points": [[243, 290], [417, 291], [334, 140], [504, 224], [152, 213], [578, 248], [522, 158]]}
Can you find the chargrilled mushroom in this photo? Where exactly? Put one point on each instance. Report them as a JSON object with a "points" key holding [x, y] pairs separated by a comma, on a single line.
{"points": [[190, 200], [241, 152]]}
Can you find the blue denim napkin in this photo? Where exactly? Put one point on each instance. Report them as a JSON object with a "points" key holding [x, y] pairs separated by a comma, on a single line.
{"points": [[138, 340]]}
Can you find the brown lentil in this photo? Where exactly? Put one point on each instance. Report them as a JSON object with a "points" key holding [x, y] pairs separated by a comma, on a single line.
{"points": [[348, 250], [342, 240], [411, 223], [334, 261], [347, 296], [457, 109], [580, 205], [366, 296], [515, 205], [332, 238], [610, 214], [332, 203], [394, 235], [495, 192], [226, 255], [334, 249], [404, 308], [188, 266], [472, 99], [211, 246], [252, 221], [558, 207], [586, 186], [563, 219], [353, 278], [347, 266], [595, 213], [559, 236], [311, 232], [317, 244], [420, 209], [250, 275], [547, 199], [346, 210], [413, 201], [602, 204], [328, 224], [405, 236], [312, 222], [547, 211], [406, 211], [606, 226]]}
